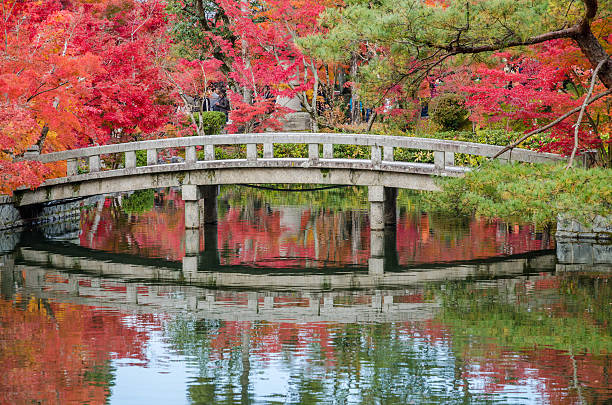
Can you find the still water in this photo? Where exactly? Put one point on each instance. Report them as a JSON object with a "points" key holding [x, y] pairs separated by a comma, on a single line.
{"points": [[291, 299]]}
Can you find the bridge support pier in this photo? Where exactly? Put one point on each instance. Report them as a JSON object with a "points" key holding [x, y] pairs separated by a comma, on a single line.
{"points": [[192, 194], [383, 206], [376, 262]]}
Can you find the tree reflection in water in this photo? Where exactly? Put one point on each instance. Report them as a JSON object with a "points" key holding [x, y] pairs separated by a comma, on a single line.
{"points": [[262, 229], [507, 337]]}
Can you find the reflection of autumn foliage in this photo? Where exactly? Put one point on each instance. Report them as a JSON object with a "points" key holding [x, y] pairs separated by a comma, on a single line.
{"points": [[420, 240], [299, 236], [565, 356], [156, 233], [60, 353], [553, 370], [291, 238]]}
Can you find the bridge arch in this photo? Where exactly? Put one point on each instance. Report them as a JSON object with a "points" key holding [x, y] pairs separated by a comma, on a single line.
{"points": [[199, 178]]}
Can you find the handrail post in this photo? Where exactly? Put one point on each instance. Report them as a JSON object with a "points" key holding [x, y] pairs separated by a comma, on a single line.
{"points": [[439, 160], [151, 157], [328, 151], [251, 152], [71, 167], [376, 155], [268, 150], [130, 159], [190, 155], [94, 163], [313, 152], [442, 159], [388, 153], [209, 152]]}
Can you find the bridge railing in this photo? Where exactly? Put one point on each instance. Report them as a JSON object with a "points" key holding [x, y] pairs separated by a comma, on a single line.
{"points": [[382, 149]]}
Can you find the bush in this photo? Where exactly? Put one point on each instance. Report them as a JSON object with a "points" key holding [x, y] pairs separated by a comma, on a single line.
{"points": [[448, 110], [141, 158], [212, 121], [537, 192]]}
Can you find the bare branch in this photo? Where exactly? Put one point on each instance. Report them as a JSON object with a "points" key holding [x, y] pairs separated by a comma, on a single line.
{"points": [[45, 91], [582, 109]]}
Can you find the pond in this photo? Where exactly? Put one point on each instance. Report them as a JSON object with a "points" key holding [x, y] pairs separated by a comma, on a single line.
{"points": [[291, 299]]}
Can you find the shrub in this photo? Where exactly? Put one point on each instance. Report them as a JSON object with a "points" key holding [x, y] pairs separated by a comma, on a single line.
{"points": [[141, 158], [537, 192], [212, 121], [448, 110]]}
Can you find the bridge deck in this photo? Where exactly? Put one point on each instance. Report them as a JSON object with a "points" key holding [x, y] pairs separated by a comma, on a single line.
{"points": [[260, 166]]}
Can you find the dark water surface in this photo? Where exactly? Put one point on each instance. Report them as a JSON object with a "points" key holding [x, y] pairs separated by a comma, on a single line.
{"points": [[291, 299]]}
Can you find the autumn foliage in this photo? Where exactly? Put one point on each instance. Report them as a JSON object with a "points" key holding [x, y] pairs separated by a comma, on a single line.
{"points": [[75, 74]]}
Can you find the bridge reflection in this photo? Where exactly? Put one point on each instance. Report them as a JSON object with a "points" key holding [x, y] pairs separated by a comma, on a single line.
{"points": [[242, 294]]}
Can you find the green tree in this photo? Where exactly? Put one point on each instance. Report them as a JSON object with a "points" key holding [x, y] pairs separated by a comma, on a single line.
{"points": [[413, 40]]}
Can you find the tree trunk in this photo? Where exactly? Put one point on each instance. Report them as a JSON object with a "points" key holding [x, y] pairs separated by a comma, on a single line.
{"points": [[355, 107], [43, 137], [595, 53]]}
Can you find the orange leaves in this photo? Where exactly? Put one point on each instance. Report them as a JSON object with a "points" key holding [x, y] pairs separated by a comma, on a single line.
{"points": [[80, 69]]}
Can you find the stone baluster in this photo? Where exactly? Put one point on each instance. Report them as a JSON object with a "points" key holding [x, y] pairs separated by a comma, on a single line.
{"points": [[443, 159], [72, 167], [94, 163], [376, 155], [268, 150], [328, 151], [190, 155], [251, 152], [130, 159], [151, 157], [209, 152], [313, 152], [388, 153]]}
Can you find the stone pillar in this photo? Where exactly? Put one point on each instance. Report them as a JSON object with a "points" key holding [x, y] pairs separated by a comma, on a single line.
{"points": [[390, 206], [376, 262], [192, 213], [376, 197], [192, 250], [209, 194]]}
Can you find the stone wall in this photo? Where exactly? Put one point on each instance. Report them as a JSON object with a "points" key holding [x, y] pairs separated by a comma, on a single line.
{"points": [[9, 215], [584, 252], [593, 228]]}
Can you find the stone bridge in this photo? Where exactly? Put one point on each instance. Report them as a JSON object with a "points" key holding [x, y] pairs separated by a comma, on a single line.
{"points": [[199, 178]]}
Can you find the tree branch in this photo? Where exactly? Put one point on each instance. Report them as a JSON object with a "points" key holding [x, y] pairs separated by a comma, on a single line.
{"points": [[582, 109], [500, 44], [45, 91]]}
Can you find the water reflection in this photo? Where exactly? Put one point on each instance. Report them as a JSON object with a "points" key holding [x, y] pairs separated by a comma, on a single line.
{"points": [[274, 312], [261, 229], [506, 337]]}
